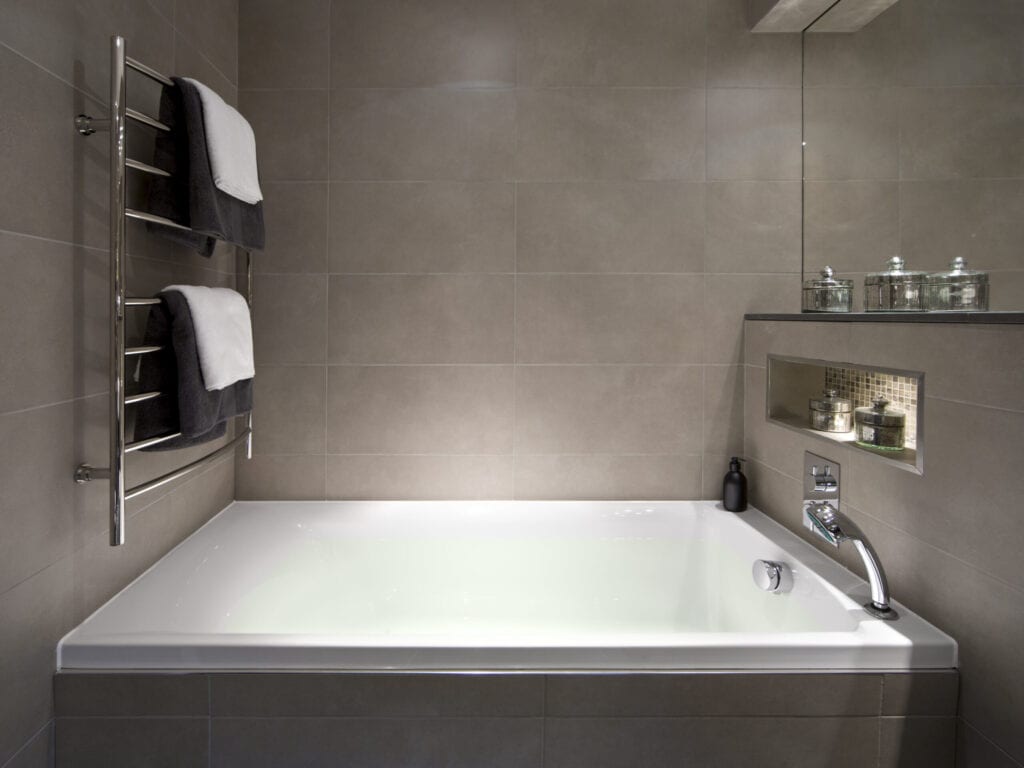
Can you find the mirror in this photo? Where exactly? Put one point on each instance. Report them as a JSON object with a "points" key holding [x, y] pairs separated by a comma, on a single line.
{"points": [[914, 143]]}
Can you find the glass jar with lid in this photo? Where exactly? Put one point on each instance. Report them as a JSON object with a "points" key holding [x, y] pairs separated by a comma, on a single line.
{"points": [[958, 290], [831, 413], [828, 293], [895, 290], [879, 426]]}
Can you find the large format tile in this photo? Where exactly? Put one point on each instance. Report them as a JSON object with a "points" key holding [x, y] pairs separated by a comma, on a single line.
{"points": [[609, 133], [738, 57], [622, 43], [453, 43], [284, 46], [212, 26], [376, 695], [419, 409], [421, 319], [623, 226], [868, 58], [36, 753], [724, 742], [979, 219], [851, 133], [289, 408], [917, 742], [973, 750], [588, 409], [962, 132], [723, 409], [422, 227], [285, 153], [597, 318], [421, 134], [290, 319], [754, 133], [606, 476], [450, 742], [924, 692], [130, 694], [728, 297], [421, 476], [293, 478], [296, 223], [753, 226], [85, 742], [852, 226]]}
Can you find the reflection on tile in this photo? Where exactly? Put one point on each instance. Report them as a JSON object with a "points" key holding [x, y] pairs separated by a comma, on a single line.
{"points": [[623, 226], [621, 43]]}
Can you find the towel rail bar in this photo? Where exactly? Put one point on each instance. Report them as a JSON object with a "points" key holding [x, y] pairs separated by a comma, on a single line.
{"points": [[120, 113]]}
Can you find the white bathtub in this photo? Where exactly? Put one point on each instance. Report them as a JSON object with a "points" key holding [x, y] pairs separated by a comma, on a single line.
{"points": [[494, 585]]}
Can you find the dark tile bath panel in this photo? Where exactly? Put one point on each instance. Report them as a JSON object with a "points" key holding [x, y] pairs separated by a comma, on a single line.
{"points": [[917, 742], [373, 743], [131, 695], [922, 693], [126, 742]]}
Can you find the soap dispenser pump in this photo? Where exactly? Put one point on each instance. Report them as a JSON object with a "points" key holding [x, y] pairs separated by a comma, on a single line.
{"points": [[734, 487]]}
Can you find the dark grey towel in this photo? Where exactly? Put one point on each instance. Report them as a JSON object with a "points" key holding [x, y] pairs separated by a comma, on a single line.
{"points": [[189, 195], [188, 407]]}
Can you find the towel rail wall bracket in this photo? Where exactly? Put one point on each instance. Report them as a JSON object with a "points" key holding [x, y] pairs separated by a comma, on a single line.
{"points": [[116, 125]]}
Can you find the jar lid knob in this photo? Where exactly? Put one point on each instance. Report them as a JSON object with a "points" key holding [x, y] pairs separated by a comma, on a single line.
{"points": [[958, 264], [830, 392], [880, 403], [896, 264], [827, 272]]}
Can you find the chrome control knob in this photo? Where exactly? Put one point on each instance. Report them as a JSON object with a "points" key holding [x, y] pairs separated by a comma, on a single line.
{"points": [[768, 575]]}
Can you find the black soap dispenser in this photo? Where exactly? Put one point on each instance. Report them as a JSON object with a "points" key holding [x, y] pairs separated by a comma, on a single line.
{"points": [[734, 487]]}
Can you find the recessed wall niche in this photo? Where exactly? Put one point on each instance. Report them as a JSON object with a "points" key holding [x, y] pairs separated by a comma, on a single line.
{"points": [[793, 382]]}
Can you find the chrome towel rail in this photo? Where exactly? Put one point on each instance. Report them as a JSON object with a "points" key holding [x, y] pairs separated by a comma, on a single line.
{"points": [[120, 113]]}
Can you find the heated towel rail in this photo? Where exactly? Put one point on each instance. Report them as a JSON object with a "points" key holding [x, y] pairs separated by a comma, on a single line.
{"points": [[116, 124]]}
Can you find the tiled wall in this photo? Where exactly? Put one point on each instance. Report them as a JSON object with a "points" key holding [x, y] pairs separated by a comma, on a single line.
{"points": [[950, 540], [510, 244], [914, 131], [55, 564]]}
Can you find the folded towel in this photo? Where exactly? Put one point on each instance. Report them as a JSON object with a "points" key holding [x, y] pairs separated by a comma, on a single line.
{"points": [[231, 145], [223, 333], [188, 407], [190, 196]]}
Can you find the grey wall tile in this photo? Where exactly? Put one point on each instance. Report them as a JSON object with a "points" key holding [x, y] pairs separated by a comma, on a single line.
{"points": [[753, 226], [739, 57], [753, 133], [973, 750], [622, 226], [594, 318], [723, 409], [284, 50], [212, 26], [295, 478], [296, 223], [130, 694], [38, 752], [447, 42], [290, 408], [868, 57], [419, 409], [376, 695], [421, 319], [732, 742], [946, 42], [917, 742], [419, 477], [979, 219], [189, 61], [608, 409], [284, 153], [605, 476], [421, 134], [962, 132], [697, 694], [290, 319], [650, 43], [422, 227], [605, 133], [851, 133], [84, 742], [458, 743], [728, 297], [853, 226]]}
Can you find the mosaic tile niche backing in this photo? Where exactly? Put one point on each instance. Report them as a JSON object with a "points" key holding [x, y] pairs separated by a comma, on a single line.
{"points": [[862, 387]]}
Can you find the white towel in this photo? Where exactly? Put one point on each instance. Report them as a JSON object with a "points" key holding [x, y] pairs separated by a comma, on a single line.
{"points": [[231, 145], [223, 330]]}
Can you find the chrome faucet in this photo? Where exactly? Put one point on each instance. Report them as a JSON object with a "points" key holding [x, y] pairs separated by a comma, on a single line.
{"points": [[835, 528]]}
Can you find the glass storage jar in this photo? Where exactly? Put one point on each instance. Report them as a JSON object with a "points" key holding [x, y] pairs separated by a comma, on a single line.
{"points": [[958, 290], [828, 293], [895, 290], [879, 426], [831, 413]]}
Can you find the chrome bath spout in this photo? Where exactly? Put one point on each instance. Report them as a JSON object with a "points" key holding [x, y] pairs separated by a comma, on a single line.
{"points": [[835, 528]]}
